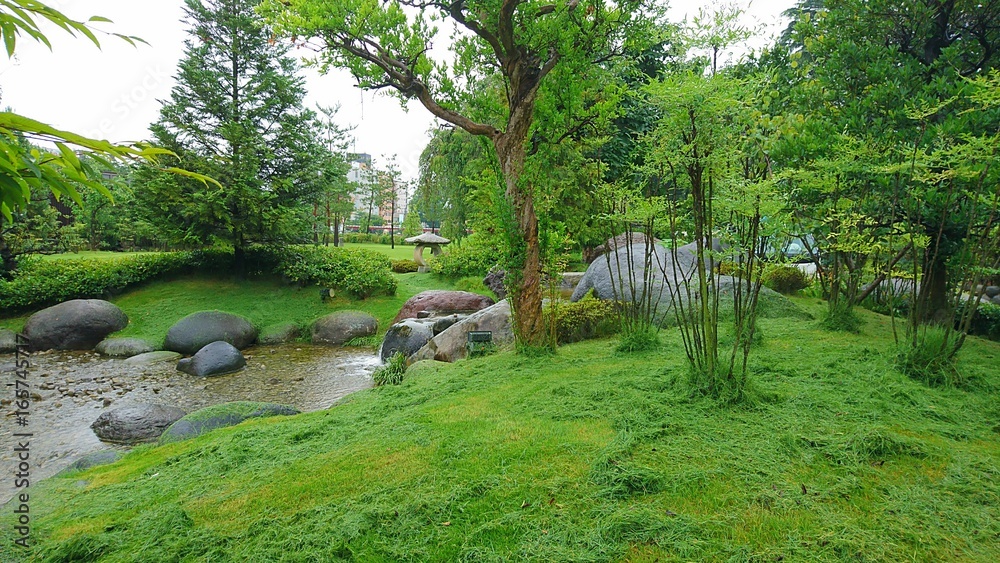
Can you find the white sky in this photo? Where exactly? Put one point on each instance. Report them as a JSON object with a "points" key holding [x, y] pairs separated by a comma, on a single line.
{"points": [[114, 92]]}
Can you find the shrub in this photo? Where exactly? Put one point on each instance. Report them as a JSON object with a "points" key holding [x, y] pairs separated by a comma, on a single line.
{"points": [[392, 372], [40, 283], [359, 272], [587, 318], [925, 358], [472, 285], [785, 279], [404, 266], [986, 321], [473, 257]]}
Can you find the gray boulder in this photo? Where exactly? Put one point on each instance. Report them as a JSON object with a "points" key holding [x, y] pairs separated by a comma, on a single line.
{"points": [[494, 281], [216, 358], [123, 347], [8, 341], [667, 283], [450, 344], [996, 300], [93, 459], [338, 328], [442, 324], [194, 331], [150, 358], [992, 291], [406, 337], [279, 333], [220, 416], [440, 302], [135, 424], [74, 325]]}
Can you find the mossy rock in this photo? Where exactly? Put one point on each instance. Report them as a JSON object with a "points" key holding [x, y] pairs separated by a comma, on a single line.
{"points": [[279, 333], [220, 416]]}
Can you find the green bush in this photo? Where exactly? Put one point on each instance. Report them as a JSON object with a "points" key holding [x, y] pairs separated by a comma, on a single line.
{"points": [[785, 279], [587, 318], [392, 372], [473, 257], [473, 284], [986, 321], [359, 272], [404, 266], [39, 283]]}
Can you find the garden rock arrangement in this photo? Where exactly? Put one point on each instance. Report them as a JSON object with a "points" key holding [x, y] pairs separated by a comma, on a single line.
{"points": [[78, 324], [194, 331], [220, 416], [123, 347], [449, 345], [135, 424], [406, 337], [438, 302], [338, 328], [216, 358]]}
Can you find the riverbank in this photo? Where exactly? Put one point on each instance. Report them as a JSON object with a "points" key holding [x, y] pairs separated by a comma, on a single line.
{"points": [[586, 455]]}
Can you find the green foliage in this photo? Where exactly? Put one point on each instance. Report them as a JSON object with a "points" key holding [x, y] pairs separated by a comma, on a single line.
{"points": [[473, 257], [638, 337], [236, 113], [392, 372], [927, 357], [785, 279], [473, 284], [411, 226], [841, 318], [404, 266], [584, 319], [40, 283], [985, 322], [359, 272]]}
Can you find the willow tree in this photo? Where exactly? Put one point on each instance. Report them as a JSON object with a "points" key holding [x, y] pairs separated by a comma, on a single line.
{"points": [[507, 56]]}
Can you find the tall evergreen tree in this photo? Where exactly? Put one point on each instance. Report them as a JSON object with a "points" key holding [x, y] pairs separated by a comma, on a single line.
{"points": [[237, 115]]}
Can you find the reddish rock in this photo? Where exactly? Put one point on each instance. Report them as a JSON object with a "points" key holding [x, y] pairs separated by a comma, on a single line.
{"points": [[440, 303]]}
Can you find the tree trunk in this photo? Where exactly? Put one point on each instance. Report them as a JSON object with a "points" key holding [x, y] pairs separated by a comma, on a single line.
{"points": [[933, 296], [526, 298]]}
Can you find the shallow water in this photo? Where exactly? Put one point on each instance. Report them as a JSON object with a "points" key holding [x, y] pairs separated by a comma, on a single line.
{"points": [[71, 389]]}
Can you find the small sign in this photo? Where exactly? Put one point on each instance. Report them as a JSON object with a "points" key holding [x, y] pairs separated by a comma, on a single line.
{"points": [[479, 342]]}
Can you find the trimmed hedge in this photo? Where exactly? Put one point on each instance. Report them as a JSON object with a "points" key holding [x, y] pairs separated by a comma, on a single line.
{"points": [[584, 319], [785, 279], [404, 266], [361, 273], [471, 258], [40, 283]]}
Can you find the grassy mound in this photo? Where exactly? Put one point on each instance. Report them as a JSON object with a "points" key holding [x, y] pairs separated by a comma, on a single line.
{"points": [[585, 455]]}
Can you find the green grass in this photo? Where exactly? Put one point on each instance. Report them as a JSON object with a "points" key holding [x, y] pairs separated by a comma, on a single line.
{"points": [[588, 455], [154, 307], [399, 253]]}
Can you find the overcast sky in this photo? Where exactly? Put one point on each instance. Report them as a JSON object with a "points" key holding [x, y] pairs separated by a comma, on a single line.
{"points": [[114, 92]]}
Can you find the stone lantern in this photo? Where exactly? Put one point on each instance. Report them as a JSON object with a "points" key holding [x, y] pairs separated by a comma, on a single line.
{"points": [[426, 240]]}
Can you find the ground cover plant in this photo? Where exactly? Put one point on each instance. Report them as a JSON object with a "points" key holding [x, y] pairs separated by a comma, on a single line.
{"points": [[585, 455]]}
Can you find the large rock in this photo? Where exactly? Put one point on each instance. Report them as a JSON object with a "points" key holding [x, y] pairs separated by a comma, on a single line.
{"points": [[992, 291], [450, 344], [220, 416], [215, 358], [590, 254], [406, 337], [194, 331], [123, 347], [74, 325], [494, 281], [8, 341], [338, 328], [139, 423], [440, 303], [150, 358], [93, 459], [667, 281]]}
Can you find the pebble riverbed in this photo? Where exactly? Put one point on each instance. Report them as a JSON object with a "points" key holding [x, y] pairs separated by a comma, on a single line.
{"points": [[69, 390]]}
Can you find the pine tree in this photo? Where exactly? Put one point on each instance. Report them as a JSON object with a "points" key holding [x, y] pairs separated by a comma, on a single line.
{"points": [[237, 115]]}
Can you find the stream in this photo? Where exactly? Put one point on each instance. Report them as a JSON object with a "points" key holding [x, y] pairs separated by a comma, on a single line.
{"points": [[71, 389]]}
